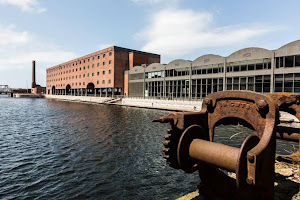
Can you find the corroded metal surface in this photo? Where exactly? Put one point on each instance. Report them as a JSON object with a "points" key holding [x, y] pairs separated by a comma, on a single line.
{"points": [[189, 144], [288, 102]]}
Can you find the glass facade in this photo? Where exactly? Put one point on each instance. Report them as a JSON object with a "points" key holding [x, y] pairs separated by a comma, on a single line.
{"points": [[208, 69], [203, 87], [178, 72], [156, 74], [154, 89], [258, 70], [287, 61], [249, 65], [260, 83], [287, 82], [177, 89]]}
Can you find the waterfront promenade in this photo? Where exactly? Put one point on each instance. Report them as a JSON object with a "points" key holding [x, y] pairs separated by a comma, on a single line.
{"points": [[173, 105]]}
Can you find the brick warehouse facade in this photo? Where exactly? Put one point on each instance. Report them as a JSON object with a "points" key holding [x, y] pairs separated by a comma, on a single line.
{"points": [[100, 73]]}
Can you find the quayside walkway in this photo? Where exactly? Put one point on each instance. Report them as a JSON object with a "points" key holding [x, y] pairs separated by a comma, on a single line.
{"points": [[163, 104]]}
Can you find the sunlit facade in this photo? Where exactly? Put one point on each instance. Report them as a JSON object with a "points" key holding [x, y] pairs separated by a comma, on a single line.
{"points": [[254, 69]]}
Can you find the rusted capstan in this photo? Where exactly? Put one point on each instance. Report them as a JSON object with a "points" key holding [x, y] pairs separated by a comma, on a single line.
{"points": [[189, 145]]}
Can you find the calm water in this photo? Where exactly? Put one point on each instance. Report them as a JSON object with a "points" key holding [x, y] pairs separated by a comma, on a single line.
{"points": [[61, 150]]}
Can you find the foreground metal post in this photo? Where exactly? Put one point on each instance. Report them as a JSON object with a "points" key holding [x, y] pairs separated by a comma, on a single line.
{"points": [[189, 145]]}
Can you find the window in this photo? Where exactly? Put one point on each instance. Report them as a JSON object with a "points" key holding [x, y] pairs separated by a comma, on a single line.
{"points": [[110, 53], [83, 67], [109, 81], [278, 82], [83, 83], [97, 81], [109, 62], [103, 72], [98, 73], [88, 60], [103, 81], [88, 74], [80, 69], [88, 66], [83, 75], [98, 57], [104, 55], [103, 63], [92, 74], [297, 83], [76, 69], [93, 66], [83, 61], [109, 71], [289, 61], [297, 61], [98, 64], [236, 68], [288, 82]]}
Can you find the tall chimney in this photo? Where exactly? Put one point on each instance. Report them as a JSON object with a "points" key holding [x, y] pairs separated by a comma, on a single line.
{"points": [[33, 84]]}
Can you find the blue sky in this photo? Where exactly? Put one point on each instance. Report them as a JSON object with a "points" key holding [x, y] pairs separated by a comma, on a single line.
{"points": [[54, 31]]}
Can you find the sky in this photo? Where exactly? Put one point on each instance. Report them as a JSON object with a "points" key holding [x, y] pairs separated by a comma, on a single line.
{"points": [[55, 31]]}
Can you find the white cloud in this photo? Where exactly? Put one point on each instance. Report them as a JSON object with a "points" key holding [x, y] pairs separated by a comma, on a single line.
{"points": [[175, 32], [25, 5], [9, 37], [19, 48]]}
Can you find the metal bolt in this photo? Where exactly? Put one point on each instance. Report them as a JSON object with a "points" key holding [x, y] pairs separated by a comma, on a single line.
{"points": [[251, 158], [262, 104], [250, 181], [207, 102]]}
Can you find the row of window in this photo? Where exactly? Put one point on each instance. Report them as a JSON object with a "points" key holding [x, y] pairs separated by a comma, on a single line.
{"points": [[77, 69], [181, 88], [287, 61], [253, 83], [157, 74], [202, 87], [79, 83], [249, 65], [78, 62], [178, 72], [79, 76], [209, 69], [287, 83]]}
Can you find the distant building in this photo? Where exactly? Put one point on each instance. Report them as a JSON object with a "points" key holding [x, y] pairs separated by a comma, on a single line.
{"points": [[100, 73], [254, 69]]}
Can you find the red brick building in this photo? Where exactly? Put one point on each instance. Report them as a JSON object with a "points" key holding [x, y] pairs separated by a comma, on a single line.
{"points": [[100, 73]]}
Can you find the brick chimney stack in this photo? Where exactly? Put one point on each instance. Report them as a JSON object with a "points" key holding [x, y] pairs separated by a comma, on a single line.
{"points": [[33, 84]]}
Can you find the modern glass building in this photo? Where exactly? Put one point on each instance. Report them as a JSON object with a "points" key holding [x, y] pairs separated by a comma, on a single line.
{"points": [[254, 69]]}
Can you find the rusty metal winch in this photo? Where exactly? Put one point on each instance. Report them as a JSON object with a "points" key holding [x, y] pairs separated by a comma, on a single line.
{"points": [[190, 145]]}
